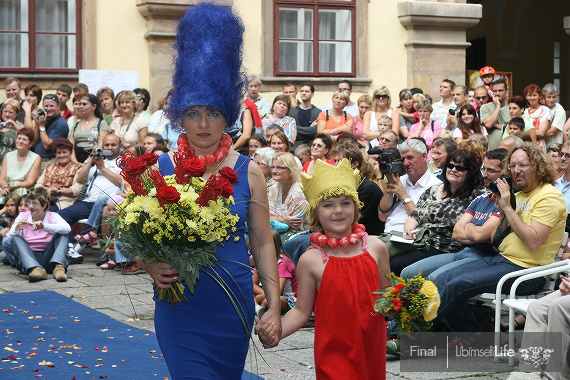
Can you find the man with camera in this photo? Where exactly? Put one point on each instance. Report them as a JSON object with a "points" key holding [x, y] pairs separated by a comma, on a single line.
{"points": [[51, 126], [529, 235], [103, 179], [403, 191], [460, 94], [496, 113]]}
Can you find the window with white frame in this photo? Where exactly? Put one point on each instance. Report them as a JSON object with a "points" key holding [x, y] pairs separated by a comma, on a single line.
{"points": [[314, 37], [40, 35]]}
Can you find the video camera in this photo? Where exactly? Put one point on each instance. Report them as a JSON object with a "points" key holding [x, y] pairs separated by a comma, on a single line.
{"points": [[100, 153], [494, 189], [389, 160]]}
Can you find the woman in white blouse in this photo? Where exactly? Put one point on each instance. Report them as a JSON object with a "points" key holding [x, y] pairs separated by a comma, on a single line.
{"points": [[129, 127]]}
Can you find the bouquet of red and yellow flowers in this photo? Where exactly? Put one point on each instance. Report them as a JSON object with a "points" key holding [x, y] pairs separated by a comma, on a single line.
{"points": [[178, 219], [412, 303]]}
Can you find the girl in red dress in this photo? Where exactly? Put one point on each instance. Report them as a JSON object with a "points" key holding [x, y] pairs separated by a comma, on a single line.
{"points": [[336, 276]]}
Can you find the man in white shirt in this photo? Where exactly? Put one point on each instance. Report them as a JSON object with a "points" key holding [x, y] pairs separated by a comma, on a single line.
{"points": [[554, 133], [351, 107], [403, 192], [103, 179], [253, 87], [441, 108], [460, 94]]}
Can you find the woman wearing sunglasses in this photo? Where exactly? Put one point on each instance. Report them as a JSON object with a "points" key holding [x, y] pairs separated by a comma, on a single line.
{"points": [[90, 130], [370, 129], [441, 206]]}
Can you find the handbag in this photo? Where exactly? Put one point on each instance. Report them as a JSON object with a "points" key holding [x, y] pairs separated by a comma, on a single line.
{"points": [[395, 248]]}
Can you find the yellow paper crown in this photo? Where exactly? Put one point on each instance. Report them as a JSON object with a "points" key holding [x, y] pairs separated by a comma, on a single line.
{"points": [[330, 181]]}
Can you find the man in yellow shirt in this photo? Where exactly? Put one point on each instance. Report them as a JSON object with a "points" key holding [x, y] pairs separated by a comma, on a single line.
{"points": [[533, 232]]}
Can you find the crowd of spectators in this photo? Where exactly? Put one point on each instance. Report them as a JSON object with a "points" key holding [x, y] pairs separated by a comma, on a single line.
{"points": [[444, 155]]}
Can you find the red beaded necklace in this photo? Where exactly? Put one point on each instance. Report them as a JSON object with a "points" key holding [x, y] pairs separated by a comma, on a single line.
{"points": [[210, 158], [358, 232]]}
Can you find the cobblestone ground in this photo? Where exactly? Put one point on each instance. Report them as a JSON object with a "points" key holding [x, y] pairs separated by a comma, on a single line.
{"points": [[128, 299]]}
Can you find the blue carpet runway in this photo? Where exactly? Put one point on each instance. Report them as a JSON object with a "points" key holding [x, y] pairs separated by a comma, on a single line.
{"points": [[49, 336]]}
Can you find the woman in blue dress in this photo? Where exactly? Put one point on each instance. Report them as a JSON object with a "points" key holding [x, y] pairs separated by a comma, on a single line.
{"points": [[206, 337]]}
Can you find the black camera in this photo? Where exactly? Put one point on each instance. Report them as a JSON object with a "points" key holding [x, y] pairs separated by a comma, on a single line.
{"points": [[493, 187], [3, 124], [389, 160], [41, 112], [452, 112], [101, 153]]}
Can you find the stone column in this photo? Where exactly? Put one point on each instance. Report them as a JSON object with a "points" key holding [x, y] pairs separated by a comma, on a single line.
{"points": [[436, 41]]}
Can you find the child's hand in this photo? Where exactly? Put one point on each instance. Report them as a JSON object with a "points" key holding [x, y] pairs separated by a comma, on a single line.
{"points": [[267, 332]]}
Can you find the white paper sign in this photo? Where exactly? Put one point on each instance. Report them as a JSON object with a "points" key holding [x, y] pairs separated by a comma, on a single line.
{"points": [[115, 80]]}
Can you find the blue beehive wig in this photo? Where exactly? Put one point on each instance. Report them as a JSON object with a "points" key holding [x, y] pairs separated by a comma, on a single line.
{"points": [[208, 68]]}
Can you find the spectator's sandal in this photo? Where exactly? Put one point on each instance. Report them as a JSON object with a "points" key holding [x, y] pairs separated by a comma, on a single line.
{"points": [[519, 323]]}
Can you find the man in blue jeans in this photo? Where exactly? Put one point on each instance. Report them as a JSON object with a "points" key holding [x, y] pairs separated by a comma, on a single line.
{"points": [[536, 229], [474, 229], [103, 179]]}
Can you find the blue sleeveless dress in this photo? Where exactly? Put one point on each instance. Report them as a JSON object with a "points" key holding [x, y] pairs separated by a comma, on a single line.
{"points": [[203, 338]]}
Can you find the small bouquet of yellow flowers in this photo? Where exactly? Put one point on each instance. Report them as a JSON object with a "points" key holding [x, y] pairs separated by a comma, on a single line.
{"points": [[412, 303], [178, 219]]}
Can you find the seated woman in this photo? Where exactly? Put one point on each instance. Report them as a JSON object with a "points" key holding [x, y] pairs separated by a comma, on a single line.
{"points": [[130, 127], [90, 131], [336, 121], [287, 202], [320, 150], [21, 167], [281, 144], [10, 112], [60, 179], [441, 206], [38, 238], [278, 115], [371, 130], [468, 124], [426, 128]]}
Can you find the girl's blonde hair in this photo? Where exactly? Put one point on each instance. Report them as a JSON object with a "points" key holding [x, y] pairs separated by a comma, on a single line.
{"points": [[418, 98], [446, 133], [385, 120]]}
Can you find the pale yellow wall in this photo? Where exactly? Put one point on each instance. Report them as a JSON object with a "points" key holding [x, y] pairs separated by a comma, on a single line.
{"points": [[250, 11], [120, 38], [386, 52]]}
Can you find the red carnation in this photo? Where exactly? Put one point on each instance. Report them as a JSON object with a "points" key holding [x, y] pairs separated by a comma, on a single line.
{"points": [[229, 174], [168, 195], [149, 158]]}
